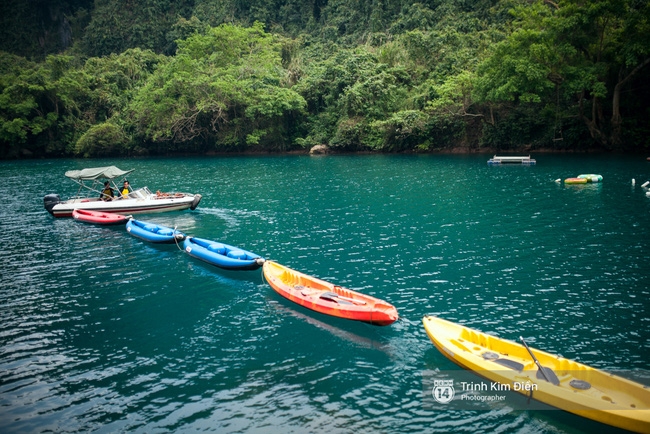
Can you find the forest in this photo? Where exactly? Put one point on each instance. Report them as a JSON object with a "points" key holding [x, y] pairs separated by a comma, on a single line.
{"points": [[97, 78]]}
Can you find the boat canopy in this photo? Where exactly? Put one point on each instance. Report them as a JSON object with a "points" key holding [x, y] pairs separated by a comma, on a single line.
{"points": [[109, 172]]}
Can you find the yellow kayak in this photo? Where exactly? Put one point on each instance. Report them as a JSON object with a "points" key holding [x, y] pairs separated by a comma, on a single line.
{"points": [[553, 380]]}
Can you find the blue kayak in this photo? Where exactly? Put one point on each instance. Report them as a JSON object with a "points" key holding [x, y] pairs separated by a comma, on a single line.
{"points": [[153, 233], [222, 255]]}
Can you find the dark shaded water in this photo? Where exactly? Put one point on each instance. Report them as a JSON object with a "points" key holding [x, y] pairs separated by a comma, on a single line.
{"points": [[101, 332]]}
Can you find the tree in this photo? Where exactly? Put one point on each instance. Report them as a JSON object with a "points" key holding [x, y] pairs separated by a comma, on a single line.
{"points": [[346, 93], [118, 25], [582, 54], [102, 140], [29, 103], [37, 28], [223, 88], [47, 107]]}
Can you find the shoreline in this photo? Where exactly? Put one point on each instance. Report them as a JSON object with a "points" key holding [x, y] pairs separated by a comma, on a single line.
{"points": [[333, 152], [442, 151]]}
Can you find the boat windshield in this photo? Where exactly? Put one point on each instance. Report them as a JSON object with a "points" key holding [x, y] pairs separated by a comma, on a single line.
{"points": [[140, 193]]}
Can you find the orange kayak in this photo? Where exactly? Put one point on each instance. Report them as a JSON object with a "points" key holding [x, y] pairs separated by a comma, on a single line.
{"points": [[327, 298]]}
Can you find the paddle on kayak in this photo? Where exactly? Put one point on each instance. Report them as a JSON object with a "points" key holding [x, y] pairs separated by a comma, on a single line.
{"points": [[334, 296], [547, 373]]}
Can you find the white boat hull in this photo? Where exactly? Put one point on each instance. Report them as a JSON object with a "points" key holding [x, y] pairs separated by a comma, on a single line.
{"points": [[127, 206]]}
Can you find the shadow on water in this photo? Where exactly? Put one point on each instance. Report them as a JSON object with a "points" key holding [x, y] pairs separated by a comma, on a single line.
{"points": [[356, 334]]}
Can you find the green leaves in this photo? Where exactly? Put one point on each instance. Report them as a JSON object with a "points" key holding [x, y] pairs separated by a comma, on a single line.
{"points": [[223, 88], [28, 102], [518, 69], [384, 75], [102, 140], [574, 54]]}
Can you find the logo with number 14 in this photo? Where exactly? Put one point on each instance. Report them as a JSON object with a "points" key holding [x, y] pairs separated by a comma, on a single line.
{"points": [[443, 391]]}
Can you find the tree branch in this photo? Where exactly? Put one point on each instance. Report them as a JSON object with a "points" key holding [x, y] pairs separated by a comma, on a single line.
{"points": [[555, 5], [638, 68]]}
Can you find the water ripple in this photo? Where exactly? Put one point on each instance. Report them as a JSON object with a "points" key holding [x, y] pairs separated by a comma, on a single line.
{"points": [[100, 332]]}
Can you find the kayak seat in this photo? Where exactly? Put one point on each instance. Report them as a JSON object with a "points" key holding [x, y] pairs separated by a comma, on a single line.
{"points": [[580, 384], [217, 248], [237, 254], [490, 355], [510, 364], [494, 357]]}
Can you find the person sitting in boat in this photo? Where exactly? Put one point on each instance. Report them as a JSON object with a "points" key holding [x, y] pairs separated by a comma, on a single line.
{"points": [[107, 193], [126, 189]]}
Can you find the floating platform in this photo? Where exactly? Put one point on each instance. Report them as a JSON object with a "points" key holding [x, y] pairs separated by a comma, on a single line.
{"points": [[512, 160]]}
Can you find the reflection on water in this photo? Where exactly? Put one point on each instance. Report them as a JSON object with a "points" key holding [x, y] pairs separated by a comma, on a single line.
{"points": [[100, 331], [284, 308]]}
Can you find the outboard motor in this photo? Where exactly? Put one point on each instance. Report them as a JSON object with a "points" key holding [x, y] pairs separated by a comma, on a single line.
{"points": [[50, 200], [195, 202]]}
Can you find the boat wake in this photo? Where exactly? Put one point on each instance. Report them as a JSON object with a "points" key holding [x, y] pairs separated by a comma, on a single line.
{"points": [[233, 217]]}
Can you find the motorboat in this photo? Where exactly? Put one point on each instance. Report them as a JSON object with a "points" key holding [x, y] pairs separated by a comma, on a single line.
{"points": [[90, 195]]}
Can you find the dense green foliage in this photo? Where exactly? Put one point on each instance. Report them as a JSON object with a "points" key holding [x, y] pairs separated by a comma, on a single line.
{"points": [[110, 77], [224, 88]]}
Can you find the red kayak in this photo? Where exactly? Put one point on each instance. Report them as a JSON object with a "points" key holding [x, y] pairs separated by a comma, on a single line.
{"points": [[327, 298], [99, 217]]}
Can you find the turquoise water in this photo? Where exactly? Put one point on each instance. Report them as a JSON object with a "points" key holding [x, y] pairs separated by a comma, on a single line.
{"points": [[101, 332]]}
